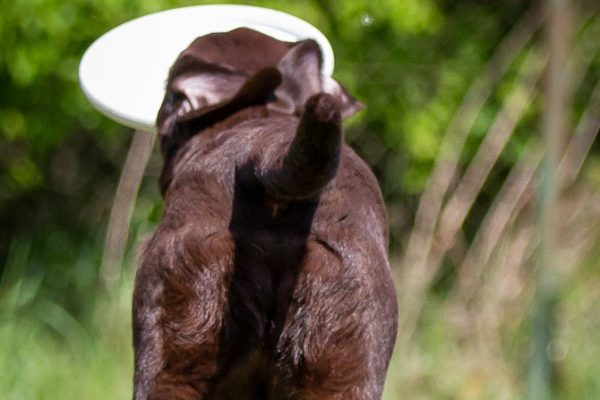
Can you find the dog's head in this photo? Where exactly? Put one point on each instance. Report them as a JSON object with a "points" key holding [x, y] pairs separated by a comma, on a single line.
{"points": [[220, 74]]}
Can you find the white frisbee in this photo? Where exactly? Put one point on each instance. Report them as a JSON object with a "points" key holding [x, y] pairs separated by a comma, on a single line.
{"points": [[123, 73]]}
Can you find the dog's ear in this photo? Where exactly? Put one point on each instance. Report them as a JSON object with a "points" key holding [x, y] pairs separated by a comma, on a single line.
{"points": [[257, 89], [182, 119], [213, 69], [221, 73], [348, 104], [302, 78], [204, 85]]}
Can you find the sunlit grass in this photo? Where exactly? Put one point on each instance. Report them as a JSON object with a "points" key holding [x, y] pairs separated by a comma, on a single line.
{"points": [[45, 353], [450, 361], [39, 364]]}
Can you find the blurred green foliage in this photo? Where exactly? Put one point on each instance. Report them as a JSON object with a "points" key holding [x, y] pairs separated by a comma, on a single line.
{"points": [[410, 62]]}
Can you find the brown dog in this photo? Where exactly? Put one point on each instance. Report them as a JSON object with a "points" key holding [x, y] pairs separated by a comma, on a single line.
{"points": [[267, 277]]}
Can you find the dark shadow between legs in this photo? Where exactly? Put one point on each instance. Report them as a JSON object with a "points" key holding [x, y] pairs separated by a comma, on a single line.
{"points": [[270, 245]]}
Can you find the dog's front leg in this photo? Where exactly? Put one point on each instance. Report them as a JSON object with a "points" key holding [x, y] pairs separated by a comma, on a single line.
{"points": [[340, 329], [179, 302], [146, 331]]}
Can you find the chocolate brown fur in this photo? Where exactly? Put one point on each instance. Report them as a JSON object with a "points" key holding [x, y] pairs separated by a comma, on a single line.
{"points": [[267, 277]]}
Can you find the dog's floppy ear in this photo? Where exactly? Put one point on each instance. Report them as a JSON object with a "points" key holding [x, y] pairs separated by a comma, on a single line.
{"points": [[203, 86], [177, 127], [302, 78], [221, 73], [213, 69]]}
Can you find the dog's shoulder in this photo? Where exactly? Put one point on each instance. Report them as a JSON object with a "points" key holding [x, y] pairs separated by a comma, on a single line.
{"points": [[351, 210]]}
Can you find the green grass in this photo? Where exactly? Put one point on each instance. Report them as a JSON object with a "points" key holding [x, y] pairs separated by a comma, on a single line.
{"points": [[47, 353], [81, 362]]}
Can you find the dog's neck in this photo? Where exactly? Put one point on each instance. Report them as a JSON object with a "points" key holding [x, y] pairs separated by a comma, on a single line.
{"points": [[245, 114], [209, 131]]}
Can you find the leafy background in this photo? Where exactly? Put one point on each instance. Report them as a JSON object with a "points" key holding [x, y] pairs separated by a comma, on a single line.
{"points": [[65, 333]]}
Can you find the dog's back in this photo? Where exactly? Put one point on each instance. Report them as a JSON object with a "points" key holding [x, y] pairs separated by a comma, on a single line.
{"points": [[268, 275]]}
